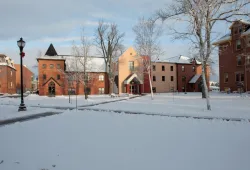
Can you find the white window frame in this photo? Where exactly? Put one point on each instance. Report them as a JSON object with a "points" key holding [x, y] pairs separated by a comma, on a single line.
{"points": [[101, 77], [101, 90]]}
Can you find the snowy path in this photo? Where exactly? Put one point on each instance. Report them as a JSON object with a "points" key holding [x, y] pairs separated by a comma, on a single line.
{"points": [[101, 140]]}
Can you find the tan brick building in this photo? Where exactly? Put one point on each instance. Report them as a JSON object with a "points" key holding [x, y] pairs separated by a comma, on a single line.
{"points": [[27, 78], [7, 75], [164, 77], [234, 57]]}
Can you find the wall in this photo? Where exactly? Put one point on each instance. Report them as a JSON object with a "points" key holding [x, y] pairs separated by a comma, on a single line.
{"points": [[228, 61], [51, 73], [7, 80], [164, 86], [27, 78]]}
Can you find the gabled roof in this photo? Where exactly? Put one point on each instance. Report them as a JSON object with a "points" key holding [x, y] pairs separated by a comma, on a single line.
{"points": [[51, 78], [6, 61], [224, 38], [51, 51], [131, 77]]}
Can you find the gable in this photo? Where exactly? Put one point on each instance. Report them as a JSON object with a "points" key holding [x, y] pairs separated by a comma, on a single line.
{"points": [[51, 78]]}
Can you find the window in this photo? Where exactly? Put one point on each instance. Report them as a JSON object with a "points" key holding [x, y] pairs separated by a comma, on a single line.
{"points": [[240, 29], [248, 61], [154, 67], [238, 44], [11, 84], [193, 68], [239, 62], [239, 77], [182, 68], [154, 89], [0, 70], [101, 90], [51, 65], [10, 72], [171, 68], [101, 78], [172, 78], [44, 76], [44, 65], [248, 41], [131, 65], [225, 77], [183, 78], [154, 78], [163, 68], [58, 66], [58, 77], [163, 78]]}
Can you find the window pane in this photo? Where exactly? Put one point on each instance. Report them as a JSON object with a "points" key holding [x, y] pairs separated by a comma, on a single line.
{"points": [[154, 78], [44, 65], [171, 68], [58, 66], [242, 77], [163, 68], [131, 65], [101, 78], [154, 67], [239, 61], [163, 78], [237, 77], [225, 77], [172, 78], [51, 65], [182, 68]]}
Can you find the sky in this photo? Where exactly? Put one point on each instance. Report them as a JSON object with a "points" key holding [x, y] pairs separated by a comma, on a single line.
{"points": [[60, 22]]}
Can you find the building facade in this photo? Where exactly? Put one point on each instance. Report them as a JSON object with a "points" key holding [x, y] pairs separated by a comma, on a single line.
{"points": [[7, 75], [164, 77], [62, 75], [28, 77], [234, 57], [189, 74]]}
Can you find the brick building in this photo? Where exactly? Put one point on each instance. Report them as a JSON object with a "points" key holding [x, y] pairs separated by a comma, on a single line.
{"points": [[164, 77], [28, 77], [59, 75], [234, 57], [7, 75], [188, 74]]}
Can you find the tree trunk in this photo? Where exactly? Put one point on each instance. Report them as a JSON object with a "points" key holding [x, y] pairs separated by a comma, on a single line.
{"points": [[205, 86], [110, 86], [85, 92], [150, 83]]}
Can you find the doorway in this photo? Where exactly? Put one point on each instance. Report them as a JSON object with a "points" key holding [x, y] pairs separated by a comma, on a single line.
{"points": [[52, 89]]}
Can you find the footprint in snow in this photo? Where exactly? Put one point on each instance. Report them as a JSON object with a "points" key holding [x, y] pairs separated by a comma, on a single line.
{"points": [[1, 162]]}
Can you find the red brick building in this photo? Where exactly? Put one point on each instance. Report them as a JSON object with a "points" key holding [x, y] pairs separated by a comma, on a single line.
{"points": [[61, 75], [7, 75], [27, 78], [189, 71], [234, 57]]}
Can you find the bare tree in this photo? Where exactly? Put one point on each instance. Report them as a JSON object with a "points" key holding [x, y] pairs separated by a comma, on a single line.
{"points": [[201, 17], [108, 40], [147, 45]]}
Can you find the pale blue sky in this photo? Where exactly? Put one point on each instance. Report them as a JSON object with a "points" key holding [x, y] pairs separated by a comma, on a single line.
{"points": [[59, 22]]}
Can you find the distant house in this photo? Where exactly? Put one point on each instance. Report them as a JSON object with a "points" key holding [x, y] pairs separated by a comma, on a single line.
{"points": [[7, 75], [234, 57], [27, 78]]}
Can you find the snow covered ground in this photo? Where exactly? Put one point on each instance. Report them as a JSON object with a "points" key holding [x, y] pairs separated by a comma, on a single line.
{"points": [[7, 112], [100, 140], [63, 101], [191, 104]]}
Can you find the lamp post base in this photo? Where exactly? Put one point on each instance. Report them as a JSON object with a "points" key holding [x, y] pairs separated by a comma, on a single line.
{"points": [[22, 107]]}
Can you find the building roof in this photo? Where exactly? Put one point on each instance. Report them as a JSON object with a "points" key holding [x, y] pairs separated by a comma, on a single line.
{"points": [[94, 64], [51, 51], [6, 61], [195, 78], [228, 36], [180, 60]]}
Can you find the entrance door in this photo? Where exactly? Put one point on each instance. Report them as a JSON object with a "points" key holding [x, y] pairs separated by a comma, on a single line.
{"points": [[52, 89]]}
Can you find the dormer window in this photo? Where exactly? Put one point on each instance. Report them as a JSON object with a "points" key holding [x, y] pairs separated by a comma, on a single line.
{"points": [[238, 44]]}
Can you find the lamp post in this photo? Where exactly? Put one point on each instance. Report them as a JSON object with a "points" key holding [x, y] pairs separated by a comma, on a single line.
{"points": [[21, 45]]}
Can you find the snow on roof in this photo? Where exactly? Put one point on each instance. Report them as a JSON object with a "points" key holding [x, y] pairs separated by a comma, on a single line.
{"points": [[246, 33], [195, 78], [6, 61], [224, 38], [180, 60], [57, 57], [245, 21], [94, 64]]}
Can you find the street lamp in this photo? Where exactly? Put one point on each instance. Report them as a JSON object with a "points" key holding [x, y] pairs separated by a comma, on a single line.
{"points": [[21, 45]]}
